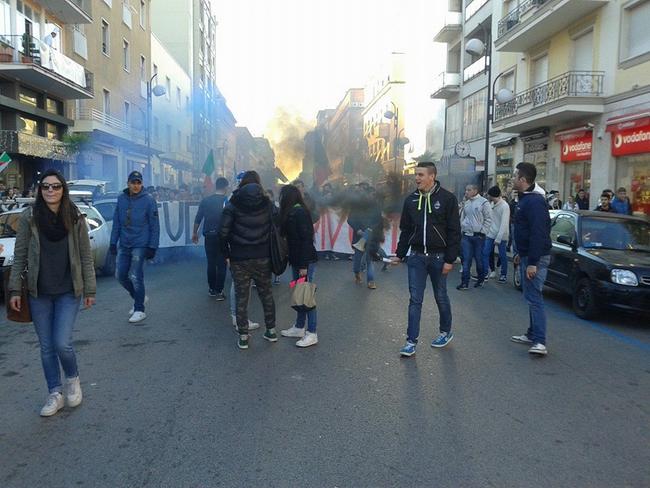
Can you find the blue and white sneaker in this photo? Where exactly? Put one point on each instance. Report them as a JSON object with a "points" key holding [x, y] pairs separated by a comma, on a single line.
{"points": [[442, 340], [408, 350]]}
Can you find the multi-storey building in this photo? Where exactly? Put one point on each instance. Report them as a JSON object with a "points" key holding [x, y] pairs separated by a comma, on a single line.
{"points": [[117, 47], [40, 71], [315, 164], [579, 73], [347, 150]]}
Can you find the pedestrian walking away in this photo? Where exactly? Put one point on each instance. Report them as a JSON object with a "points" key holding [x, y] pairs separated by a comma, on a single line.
{"points": [[533, 241], [475, 221], [296, 225], [134, 238], [245, 243], [52, 244], [430, 228], [498, 234], [209, 213], [366, 223]]}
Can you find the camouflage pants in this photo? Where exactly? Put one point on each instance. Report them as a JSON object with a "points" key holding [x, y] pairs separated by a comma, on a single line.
{"points": [[258, 270]]}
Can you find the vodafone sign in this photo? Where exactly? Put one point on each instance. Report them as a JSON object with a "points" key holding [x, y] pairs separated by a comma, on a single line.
{"points": [[577, 149], [631, 141]]}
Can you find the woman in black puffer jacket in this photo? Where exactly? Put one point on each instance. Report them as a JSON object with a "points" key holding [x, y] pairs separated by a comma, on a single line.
{"points": [[244, 237], [297, 226]]}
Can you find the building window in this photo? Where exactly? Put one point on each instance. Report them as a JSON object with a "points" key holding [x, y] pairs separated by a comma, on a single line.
{"points": [[474, 115], [52, 131], [143, 14], [126, 55], [106, 38], [452, 125], [106, 100], [178, 98], [168, 88], [28, 126], [28, 97], [54, 106], [635, 35], [127, 113]]}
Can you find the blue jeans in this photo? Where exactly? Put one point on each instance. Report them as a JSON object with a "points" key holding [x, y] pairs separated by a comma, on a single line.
{"points": [[54, 317], [419, 267], [487, 249], [533, 294], [130, 273], [359, 256], [472, 249], [310, 316]]}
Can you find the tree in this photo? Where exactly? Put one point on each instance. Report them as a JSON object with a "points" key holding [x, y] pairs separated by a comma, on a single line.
{"points": [[76, 143]]}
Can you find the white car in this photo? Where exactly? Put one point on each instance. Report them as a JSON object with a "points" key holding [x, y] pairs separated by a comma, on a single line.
{"points": [[97, 188]]}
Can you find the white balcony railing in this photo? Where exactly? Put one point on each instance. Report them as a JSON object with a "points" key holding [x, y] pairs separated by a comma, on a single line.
{"points": [[476, 68]]}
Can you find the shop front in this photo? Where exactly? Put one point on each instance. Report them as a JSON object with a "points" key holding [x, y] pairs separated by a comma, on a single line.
{"points": [[536, 152], [575, 154], [505, 157], [631, 148]]}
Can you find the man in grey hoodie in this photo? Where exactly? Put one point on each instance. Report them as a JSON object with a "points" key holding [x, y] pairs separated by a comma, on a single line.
{"points": [[475, 222]]}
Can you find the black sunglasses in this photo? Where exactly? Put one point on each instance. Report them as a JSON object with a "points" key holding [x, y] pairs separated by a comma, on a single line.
{"points": [[53, 186]]}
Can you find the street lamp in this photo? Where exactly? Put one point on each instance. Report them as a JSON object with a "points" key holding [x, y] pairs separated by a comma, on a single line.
{"points": [[394, 115], [152, 91]]}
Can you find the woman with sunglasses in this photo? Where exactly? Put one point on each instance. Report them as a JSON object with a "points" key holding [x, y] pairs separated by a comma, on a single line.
{"points": [[52, 244]]}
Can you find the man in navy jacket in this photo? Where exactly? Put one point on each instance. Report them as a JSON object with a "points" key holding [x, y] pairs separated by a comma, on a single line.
{"points": [[533, 241], [137, 230]]}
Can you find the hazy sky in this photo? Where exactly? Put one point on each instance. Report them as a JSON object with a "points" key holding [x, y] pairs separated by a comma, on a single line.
{"points": [[304, 54]]}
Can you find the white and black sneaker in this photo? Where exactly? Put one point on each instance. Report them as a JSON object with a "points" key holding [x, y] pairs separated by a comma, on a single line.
{"points": [[538, 349], [521, 339]]}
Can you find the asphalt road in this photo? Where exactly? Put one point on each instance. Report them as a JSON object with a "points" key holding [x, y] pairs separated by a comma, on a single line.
{"points": [[174, 403]]}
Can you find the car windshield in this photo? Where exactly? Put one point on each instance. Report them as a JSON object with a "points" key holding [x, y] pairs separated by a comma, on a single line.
{"points": [[599, 233], [9, 225]]}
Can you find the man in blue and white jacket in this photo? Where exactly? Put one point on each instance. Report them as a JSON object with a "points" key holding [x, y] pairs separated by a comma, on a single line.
{"points": [[135, 234], [533, 241]]}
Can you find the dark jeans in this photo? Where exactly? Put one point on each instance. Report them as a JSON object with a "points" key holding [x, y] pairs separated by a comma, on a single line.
{"points": [[488, 255], [130, 273], [419, 268], [472, 249], [54, 317], [258, 270], [534, 297], [216, 263], [310, 316]]}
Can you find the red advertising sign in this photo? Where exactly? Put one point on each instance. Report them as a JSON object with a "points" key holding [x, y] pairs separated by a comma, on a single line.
{"points": [[631, 141], [577, 149]]}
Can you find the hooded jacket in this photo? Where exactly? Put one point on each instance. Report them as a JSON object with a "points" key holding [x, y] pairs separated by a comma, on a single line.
{"points": [[476, 216], [246, 224], [430, 224], [135, 222]]}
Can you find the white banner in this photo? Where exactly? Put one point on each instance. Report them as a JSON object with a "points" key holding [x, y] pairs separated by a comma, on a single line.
{"points": [[176, 223], [63, 65]]}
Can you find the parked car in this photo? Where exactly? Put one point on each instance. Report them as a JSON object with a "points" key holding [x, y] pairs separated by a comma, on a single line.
{"points": [[98, 188], [601, 259]]}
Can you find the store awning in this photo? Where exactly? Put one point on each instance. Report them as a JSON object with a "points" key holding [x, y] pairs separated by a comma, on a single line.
{"points": [[629, 121], [570, 134], [508, 142]]}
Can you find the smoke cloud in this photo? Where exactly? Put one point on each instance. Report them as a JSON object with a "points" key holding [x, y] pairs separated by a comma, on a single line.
{"points": [[286, 132]]}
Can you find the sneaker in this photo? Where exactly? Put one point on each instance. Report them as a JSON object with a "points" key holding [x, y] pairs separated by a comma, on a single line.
{"points": [[408, 350], [137, 317], [502, 279], [293, 331], [310, 339], [492, 275], [146, 300], [270, 335], [479, 284], [462, 287], [73, 394], [474, 278], [442, 340], [357, 278], [538, 349], [220, 296], [242, 342], [53, 404], [372, 285], [251, 325], [212, 292], [521, 339]]}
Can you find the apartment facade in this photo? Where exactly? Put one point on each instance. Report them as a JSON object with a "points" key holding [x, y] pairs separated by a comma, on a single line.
{"points": [[38, 77], [580, 74]]}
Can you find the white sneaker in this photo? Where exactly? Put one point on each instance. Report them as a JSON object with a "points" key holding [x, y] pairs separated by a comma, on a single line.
{"points": [[492, 275], [538, 349], [73, 394], [251, 325], [53, 404], [309, 339], [137, 317], [146, 300], [293, 331], [521, 339]]}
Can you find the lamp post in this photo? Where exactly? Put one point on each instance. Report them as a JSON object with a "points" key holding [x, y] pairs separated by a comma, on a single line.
{"points": [[158, 91], [394, 116]]}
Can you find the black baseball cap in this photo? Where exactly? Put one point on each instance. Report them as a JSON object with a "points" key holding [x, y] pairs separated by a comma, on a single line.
{"points": [[135, 176]]}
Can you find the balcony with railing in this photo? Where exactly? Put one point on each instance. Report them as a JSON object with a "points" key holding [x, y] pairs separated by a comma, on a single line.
{"points": [[44, 68], [476, 68], [569, 95], [71, 11], [451, 28], [533, 21], [446, 85], [92, 119]]}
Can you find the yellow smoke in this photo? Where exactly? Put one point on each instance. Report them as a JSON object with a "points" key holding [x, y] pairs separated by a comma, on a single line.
{"points": [[286, 133]]}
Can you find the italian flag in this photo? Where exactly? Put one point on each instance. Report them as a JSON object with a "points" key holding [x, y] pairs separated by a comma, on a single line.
{"points": [[208, 170], [4, 161]]}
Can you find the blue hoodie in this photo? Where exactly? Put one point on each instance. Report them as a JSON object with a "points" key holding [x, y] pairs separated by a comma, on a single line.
{"points": [[135, 222], [532, 227]]}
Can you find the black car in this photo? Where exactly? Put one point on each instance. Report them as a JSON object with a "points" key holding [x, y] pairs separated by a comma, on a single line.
{"points": [[601, 259]]}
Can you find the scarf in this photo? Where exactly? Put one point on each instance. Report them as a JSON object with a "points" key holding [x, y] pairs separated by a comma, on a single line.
{"points": [[51, 225]]}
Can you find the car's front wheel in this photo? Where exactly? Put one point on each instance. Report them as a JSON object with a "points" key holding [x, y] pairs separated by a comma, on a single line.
{"points": [[584, 299]]}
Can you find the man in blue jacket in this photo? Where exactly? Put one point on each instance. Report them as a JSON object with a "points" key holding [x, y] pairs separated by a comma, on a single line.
{"points": [[136, 228], [533, 241]]}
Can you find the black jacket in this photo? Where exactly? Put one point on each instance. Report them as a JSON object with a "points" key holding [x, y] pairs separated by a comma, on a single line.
{"points": [[430, 223], [210, 210], [299, 232], [246, 224], [365, 214]]}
